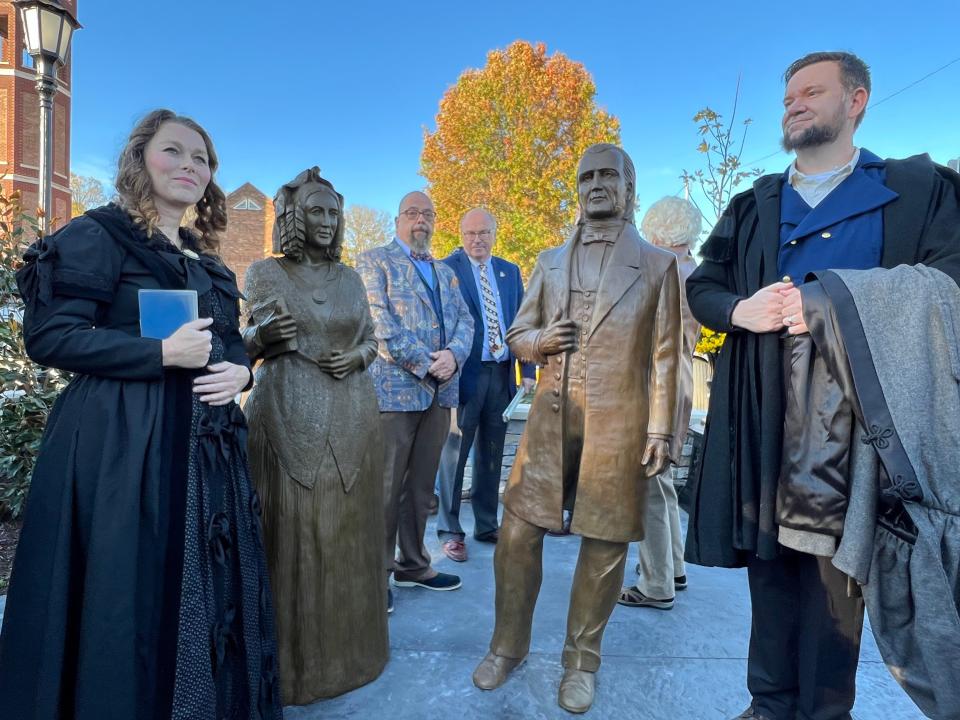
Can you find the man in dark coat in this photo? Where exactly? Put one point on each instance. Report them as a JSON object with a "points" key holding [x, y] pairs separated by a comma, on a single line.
{"points": [[836, 207]]}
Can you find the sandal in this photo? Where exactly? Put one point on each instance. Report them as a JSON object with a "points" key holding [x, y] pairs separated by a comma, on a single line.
{"points": [[632, 597]]}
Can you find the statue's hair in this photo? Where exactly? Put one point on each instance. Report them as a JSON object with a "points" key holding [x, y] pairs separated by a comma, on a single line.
{"points": [[630, 176], [854, 72], [289, 230], [672, 221], [136, 191]]}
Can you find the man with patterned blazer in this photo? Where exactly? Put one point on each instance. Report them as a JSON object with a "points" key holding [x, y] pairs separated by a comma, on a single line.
{"points": [[425, 332], [493, 290]]}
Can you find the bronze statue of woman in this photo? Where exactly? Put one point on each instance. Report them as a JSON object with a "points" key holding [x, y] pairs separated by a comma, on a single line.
{"points": [[315, 448]]}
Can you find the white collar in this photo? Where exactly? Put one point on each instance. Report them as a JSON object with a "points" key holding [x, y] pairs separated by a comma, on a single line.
{"points": [[794, 176]]}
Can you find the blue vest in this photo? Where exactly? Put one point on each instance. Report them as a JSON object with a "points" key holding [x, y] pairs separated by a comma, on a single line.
{"points": [[435, 299], [844, 232]]}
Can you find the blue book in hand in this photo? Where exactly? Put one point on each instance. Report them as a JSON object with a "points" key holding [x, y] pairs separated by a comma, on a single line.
{"points": [[162, 312]]}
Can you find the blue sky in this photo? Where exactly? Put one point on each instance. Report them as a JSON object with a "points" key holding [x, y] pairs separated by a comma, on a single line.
{"points": [[286, 84]]}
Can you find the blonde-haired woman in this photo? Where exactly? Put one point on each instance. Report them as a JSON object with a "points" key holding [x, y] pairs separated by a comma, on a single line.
{"points": [[139, 589]]}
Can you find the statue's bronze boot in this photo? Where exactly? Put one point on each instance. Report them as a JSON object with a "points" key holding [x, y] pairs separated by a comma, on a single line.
{"points": [[493, 670], [576, 690]]}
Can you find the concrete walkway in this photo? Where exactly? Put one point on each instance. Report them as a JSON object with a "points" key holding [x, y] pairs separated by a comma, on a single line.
{"points": [[688, 663], [685, 664]]}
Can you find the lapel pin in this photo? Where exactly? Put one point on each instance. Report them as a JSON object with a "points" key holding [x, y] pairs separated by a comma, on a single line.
{"points": [[502, 274]]}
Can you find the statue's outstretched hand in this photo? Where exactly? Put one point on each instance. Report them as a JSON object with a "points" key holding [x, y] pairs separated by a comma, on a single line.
{"points": [[559, 336], [656, 456]]}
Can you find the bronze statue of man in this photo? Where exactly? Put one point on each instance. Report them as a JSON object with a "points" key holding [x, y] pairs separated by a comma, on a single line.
{"points": [[602, 318]]}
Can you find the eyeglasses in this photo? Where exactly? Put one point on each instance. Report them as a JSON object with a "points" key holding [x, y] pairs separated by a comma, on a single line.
{"points": [[478, 234], [413, 213]]}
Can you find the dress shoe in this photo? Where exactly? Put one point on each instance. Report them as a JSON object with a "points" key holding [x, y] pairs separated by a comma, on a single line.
{"points": [[576, 690], [456, 550], [488, 537], [493, 671], [440, 581]]}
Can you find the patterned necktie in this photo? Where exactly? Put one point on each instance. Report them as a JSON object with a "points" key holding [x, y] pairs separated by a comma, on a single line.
{"points": [[494, 339]]}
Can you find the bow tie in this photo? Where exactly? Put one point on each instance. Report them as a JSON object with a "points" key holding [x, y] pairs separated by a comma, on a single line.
{"points": [[592, 237], [422, 257]]}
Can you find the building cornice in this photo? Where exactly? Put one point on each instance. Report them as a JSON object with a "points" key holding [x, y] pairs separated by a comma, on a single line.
{"points": [[12, 72]]}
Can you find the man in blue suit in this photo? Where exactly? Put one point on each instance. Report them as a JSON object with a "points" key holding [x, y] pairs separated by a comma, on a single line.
{"points": [[492, 289], [424, 331]]}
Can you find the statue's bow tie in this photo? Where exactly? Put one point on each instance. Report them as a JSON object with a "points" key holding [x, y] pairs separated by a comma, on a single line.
{"points": [[593, 236]]}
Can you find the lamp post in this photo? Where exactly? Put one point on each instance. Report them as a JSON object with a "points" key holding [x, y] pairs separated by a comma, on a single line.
{"points": [[48, 28]]}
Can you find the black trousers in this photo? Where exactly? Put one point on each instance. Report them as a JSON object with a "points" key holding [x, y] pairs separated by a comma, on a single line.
{"points": [[480, 418], [805, 638]]}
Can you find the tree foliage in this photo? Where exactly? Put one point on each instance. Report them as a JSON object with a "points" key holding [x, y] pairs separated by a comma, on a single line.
{"points": [[508, 137], [364, 228], [29, 391], [722, 151], [85, 193]]}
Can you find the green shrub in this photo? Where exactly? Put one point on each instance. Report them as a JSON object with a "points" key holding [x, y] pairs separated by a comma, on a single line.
{"points": [[29, 390]]}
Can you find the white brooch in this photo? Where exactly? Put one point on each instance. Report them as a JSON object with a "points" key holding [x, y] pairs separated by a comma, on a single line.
{"points": [[502, 274], [190, 254]]}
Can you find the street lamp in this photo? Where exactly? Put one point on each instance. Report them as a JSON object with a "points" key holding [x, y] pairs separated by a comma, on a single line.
{"points": [[48, 27]]}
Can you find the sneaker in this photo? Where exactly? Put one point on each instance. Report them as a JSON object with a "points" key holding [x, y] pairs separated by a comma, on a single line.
{"points": [[389, 601], [440, 581], [632, 597], [456, 550]]}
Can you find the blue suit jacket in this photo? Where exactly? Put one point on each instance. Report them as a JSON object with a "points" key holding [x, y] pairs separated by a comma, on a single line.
{"points": [[408, 330], [510, 286]]}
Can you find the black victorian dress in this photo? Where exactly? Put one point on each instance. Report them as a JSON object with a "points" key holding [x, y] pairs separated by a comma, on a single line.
{"points": [[139, 589]]}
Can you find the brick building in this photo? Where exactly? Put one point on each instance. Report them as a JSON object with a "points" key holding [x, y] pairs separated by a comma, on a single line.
{"points": [[20, 119], [249, 235]]}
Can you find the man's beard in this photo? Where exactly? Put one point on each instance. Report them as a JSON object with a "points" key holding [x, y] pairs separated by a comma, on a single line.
{"points": [[419, 244], [815, 135]]}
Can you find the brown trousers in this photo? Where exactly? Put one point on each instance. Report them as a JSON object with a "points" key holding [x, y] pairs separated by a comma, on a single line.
{"points": [[413, 441], [518, 569]]}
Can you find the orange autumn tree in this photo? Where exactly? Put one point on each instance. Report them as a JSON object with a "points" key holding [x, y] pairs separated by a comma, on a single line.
{"points": [[508, 137]]}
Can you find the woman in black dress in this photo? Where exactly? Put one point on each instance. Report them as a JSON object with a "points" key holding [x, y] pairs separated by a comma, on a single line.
{"points": [[139, 589]]}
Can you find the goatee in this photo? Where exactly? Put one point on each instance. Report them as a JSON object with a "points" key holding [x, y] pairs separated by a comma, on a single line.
{"points": [[420, 245], [813, 136]]}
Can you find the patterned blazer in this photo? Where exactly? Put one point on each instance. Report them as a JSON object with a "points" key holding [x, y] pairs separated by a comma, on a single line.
{"points": [[408, 330]]}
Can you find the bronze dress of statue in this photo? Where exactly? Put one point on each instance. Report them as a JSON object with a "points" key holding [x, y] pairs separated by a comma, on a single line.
{"points": [[316, 449]]}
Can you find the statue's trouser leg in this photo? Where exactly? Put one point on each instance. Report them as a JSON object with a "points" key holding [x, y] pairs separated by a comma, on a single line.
{"points": [[518, 570], [596, 587], [662, 545]]}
